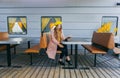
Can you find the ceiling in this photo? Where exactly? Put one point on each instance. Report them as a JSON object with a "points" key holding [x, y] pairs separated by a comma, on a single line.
{"points": [[47, 3]]}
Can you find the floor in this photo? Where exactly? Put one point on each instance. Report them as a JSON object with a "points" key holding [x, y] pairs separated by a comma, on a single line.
{"points": [[107, 67]]}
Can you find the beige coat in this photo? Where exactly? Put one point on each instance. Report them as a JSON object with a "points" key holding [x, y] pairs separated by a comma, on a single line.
{"points": [[52, 46]]}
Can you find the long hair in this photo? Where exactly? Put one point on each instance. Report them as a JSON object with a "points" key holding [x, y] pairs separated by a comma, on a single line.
{"points": [[57, 33]]}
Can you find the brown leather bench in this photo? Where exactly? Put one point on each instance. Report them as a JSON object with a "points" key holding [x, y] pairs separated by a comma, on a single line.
{"points": [[5, 36], [101, 43], [33, 50], [4, 47], [117, 51], [36, 48]]}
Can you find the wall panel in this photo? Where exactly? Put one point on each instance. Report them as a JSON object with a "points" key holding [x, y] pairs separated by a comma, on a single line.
{"points": [[80, 17], [77, 21]]}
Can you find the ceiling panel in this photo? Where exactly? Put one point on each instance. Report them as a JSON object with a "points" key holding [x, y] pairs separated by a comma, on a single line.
{"points": [[44, 3]]}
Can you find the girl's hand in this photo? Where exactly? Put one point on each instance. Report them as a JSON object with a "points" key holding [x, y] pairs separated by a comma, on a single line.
{"points": [[60, 45], [67, 38]]}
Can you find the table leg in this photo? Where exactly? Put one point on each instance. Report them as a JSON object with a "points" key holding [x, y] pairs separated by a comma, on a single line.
{"points": [[8, 55], [76, 53], [71, 49], [28, 44], [75, 58]]}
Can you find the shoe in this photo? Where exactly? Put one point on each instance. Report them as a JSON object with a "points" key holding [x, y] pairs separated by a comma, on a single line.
{"points": [[69, 62], [61, 63]]}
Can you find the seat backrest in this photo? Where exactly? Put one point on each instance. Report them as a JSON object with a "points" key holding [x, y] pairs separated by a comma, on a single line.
{"points": [[104, 39], [4, 35], [43, 41]]}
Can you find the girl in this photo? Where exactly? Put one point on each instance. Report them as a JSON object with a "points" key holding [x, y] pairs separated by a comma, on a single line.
{"points": [[56, 36]]}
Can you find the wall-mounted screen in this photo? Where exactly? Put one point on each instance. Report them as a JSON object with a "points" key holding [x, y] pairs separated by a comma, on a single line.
{"points": [[17, 24], [113, 20]]}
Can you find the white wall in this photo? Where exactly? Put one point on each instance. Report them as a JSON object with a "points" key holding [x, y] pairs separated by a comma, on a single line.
{"points": [[80, 17]]}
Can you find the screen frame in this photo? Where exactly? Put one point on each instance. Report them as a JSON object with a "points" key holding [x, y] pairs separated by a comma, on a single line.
{"points": [[16, 33], [110, 18]]}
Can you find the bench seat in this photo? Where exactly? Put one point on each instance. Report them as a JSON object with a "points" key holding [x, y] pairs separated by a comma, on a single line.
{"points": [[5, 36], [93, 49], [101, 43], [116, 50], [34, 49], [4, 47]]}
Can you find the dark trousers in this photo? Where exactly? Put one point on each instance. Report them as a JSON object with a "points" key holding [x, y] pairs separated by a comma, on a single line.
{"points": [[64, 51]]}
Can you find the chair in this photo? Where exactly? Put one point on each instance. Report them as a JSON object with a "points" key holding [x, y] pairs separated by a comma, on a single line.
{"points": [[36, 48], [44, 41], [5, 36]]}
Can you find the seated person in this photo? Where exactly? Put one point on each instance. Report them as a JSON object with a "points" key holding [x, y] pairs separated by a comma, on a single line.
{"points": [[56, 36]]}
